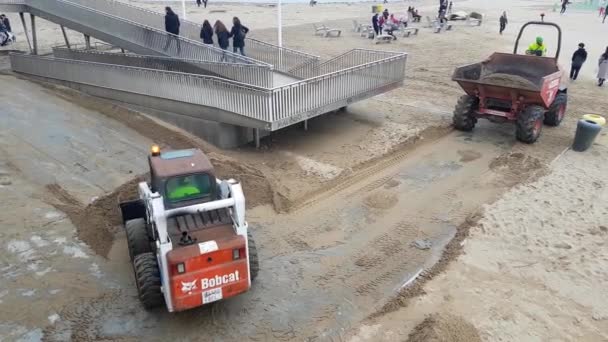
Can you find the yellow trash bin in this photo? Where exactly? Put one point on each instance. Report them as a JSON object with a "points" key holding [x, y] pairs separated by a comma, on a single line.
{"points": [[598, 119], [377, 9]]}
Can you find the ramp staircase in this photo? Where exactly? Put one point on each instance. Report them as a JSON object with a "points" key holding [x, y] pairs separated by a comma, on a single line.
{"points": [[272, 88]]}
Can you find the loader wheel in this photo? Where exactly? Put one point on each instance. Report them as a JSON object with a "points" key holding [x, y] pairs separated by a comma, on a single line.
{"points": [[555, 114], [530, 124], [147, 278], [138, 241], [464, 114], [254, 263]]}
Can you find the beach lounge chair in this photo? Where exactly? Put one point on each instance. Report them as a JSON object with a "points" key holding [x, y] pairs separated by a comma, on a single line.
{"points": [[357, 27], [367, 32], [475, 19], [409, 31], [319, 29], [322, 30], [430, 23], [383, 38], [442, 27]]}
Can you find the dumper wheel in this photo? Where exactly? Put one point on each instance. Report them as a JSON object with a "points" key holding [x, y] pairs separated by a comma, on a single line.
{"points": [[464, 114], [555, 114], [254, 263], [530, 124], [138, 241], [147, 278]]}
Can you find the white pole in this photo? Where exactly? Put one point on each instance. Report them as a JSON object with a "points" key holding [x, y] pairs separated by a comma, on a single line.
{"points": [[184, 9], [280, 24]]}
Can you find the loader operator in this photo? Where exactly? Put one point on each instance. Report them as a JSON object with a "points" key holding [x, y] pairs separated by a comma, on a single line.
{"points": [[184, 189], [537, 48]]}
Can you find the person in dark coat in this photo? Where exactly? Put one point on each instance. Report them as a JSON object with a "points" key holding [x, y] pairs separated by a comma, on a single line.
{"points": [[6, 22], [578, 58], [172, 26], [198, 3], [375, 24], [238, 33], [222, 36], [503, 21], [207, 33]]}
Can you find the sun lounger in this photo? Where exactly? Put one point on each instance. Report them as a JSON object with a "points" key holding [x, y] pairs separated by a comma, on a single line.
{"points": [[357, 27], [409, 31], [442, 27], [430, 23], [322, 30], [383, 38]]}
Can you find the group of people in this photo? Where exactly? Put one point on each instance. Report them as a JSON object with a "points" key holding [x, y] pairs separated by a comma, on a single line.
{"points": [[223, 36], [201, 2], [413, 13], [237, 33], [386, 23], [5, 30]]}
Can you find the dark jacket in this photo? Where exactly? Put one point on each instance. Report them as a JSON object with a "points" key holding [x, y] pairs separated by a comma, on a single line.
{"points": [[503, 20], [7, 24], [222, 39], [207, 35], [172, 23], [579, 57], [238, 38], [375, 21]]}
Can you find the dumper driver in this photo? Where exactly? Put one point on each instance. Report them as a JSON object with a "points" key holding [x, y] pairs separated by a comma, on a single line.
{"points": [[537, 48]]}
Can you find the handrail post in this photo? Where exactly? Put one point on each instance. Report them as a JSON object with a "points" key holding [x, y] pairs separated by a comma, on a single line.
{"points": [[65, 37], [27, 35], [34, 38], [87, 41]]}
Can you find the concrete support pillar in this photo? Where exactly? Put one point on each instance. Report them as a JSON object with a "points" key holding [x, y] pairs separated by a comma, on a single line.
{"points": [[87, 41], [122, 50], [306, 125], [65, 37], [27, 35], [256, 137], [34, 38]]}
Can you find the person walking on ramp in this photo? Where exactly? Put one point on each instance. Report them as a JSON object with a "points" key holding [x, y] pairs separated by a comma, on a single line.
{"points": [[172, 27], [238, 34]]}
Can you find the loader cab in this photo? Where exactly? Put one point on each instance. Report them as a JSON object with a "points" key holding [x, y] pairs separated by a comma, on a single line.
{"points": [[182, 177]]}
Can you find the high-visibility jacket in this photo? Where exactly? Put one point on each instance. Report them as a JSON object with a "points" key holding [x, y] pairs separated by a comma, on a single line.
{"points": [[535, 49]]}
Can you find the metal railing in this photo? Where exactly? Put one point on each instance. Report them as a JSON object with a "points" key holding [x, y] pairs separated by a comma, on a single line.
{"points": [[277, 107], [257, 75], [231, 96], [356, 81], [346, 60], [145, 39], [283, 59]]}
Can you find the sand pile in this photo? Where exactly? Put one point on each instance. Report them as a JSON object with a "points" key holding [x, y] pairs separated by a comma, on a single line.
{"points": [[97, 222], [507, 80], [444, 328]]}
